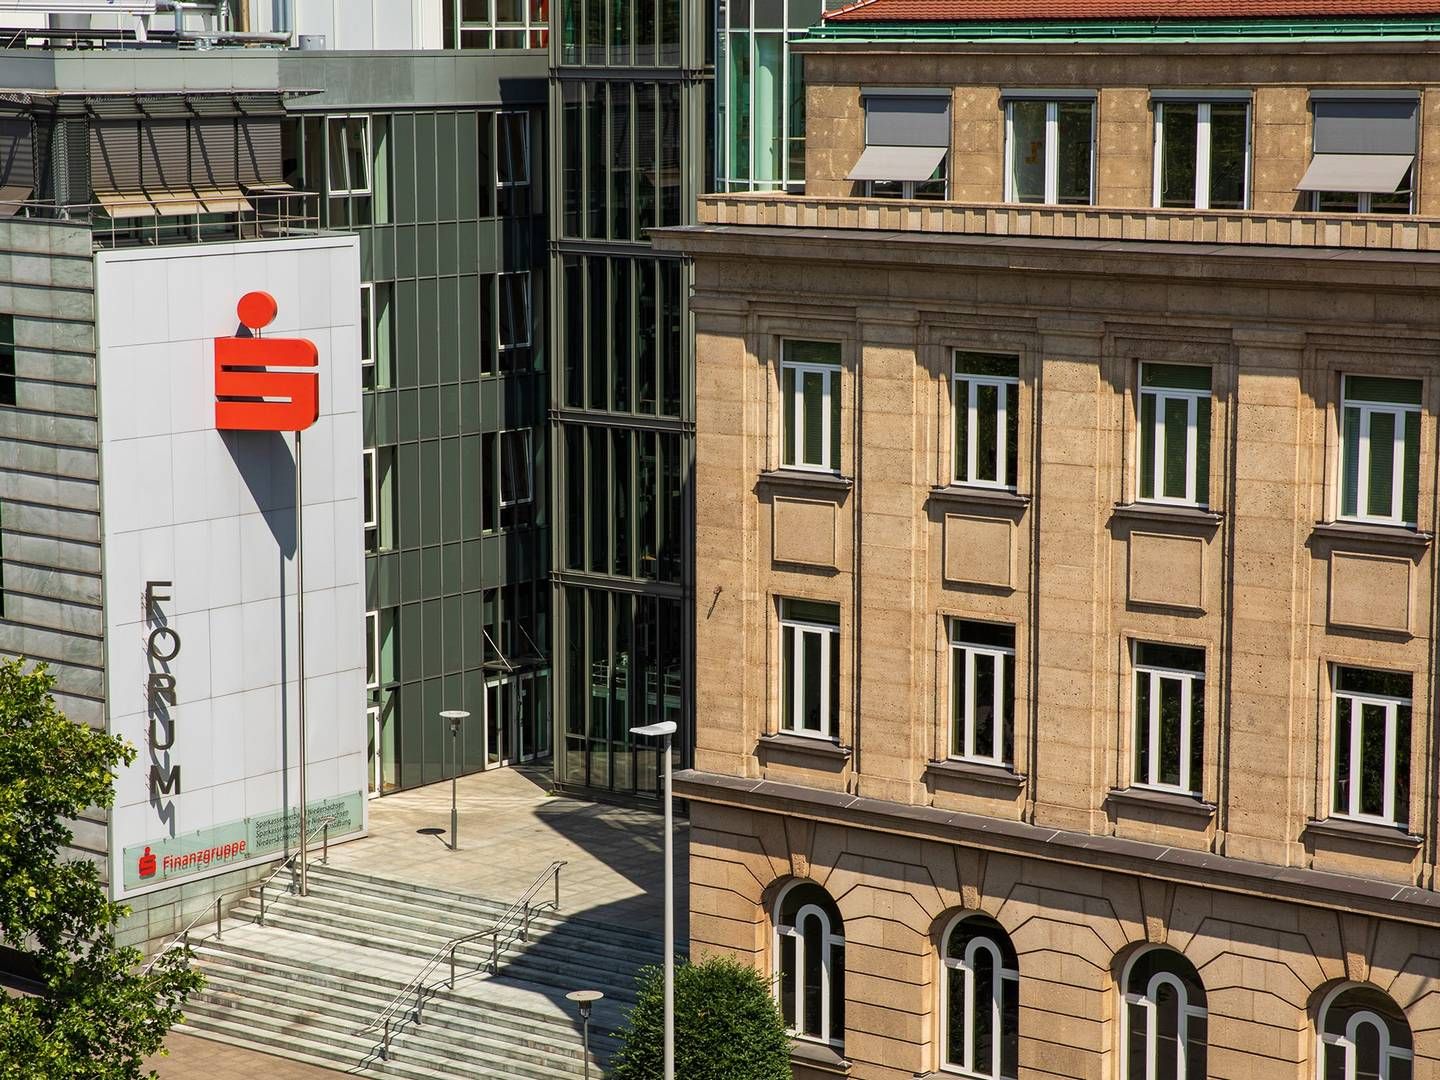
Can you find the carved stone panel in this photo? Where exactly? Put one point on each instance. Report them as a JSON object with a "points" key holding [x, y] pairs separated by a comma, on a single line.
{"points": [[1167, 570], [804, 532], [980, 551], [1370, 592]]}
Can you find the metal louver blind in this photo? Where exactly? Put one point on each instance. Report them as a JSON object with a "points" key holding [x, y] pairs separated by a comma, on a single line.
{"points": [[115, 155], [1366, 126], [907, 121], [259, 144], [213, 152], [164, 155]]}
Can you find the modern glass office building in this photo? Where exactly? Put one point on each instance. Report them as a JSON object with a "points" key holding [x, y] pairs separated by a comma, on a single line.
{"points": [[628, 92]]}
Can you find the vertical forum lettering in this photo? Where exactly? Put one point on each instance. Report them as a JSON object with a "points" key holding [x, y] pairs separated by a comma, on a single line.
{"points": [[162, 646]]}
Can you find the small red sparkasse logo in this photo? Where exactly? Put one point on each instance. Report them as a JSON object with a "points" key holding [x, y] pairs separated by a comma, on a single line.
{"points": [[147, 864], [249, 396]]}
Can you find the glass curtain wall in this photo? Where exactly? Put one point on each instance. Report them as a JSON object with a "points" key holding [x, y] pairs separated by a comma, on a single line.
{"points": [[448, 205], [760, 112], [629, 87]]}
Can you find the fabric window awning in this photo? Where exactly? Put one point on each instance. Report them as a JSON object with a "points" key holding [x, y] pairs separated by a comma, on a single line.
{"points": [[898, 163], [1372, 173], [907, 120]]}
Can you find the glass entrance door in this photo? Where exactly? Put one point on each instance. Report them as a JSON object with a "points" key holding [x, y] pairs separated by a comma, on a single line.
{"points": [[499, 722]]}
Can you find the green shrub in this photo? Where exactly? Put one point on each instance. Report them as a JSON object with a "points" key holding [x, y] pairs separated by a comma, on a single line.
{"points": [[727, 1026]]}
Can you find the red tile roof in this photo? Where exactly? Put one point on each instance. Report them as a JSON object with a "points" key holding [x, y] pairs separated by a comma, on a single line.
{"points": [[1080, 10]]}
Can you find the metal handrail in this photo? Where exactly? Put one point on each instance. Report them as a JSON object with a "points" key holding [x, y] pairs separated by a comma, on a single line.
{"points": [[519, 912], [183, 938]]}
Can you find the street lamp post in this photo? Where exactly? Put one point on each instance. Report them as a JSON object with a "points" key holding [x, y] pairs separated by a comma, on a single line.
{"points": [[456, 718], [586, 1000], [666, 729]]}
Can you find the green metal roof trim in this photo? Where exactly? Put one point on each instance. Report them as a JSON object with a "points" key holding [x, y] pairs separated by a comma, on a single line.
{"points": [[1389, 29]]}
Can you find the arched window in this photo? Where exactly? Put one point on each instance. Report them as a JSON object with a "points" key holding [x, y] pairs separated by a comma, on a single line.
{"points": [[810, 963], [981, 1000], [1165, 1018], [1363, 1036]]}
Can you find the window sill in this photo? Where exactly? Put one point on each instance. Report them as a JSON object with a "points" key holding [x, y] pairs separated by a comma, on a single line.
{"points": [[806, 478], [804, 744], [1394, 535], [818, 1056], [1182, 515], [964, 495], [1373, 832], [1190, 806], [994, 775]]}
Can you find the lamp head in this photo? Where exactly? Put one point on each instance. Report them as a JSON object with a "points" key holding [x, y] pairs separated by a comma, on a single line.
{"points": [[664, 727], [455, 716], [585, 999]]}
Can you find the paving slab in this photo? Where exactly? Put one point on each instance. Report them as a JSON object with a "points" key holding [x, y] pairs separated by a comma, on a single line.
{"points": [[193, 1058], [511, 828]]}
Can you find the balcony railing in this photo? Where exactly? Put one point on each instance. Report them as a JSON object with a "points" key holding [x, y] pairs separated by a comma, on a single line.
{"points": [[1382, 232]]}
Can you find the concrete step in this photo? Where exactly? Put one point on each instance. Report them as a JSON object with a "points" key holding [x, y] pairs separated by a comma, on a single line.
{"points": [[362, 1001], [534, 962]]}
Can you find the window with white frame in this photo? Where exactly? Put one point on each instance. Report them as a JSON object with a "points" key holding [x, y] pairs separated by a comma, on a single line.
{"points": [[372, 650], [515, 467], [1050, 151], [810, 668], [982, 692], [980, 1000], [347, 145], [1363, 1036], [810, 404], [1371, 753], [377, 765], [907, 142], [1202, 154], [1380, 450], [371, 485], [367, 326], [1169, 717], [514, 309], [512, 164], [810, 964], [1165, 1019], [986, 405], [1174, 434], [1364, 151]]}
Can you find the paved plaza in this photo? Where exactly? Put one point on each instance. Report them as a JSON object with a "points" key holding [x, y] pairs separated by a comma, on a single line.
{"points": [[511, 828]]}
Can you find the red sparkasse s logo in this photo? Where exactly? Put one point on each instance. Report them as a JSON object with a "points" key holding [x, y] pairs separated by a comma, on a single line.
{"points": [[251, 397], [147, 864]]}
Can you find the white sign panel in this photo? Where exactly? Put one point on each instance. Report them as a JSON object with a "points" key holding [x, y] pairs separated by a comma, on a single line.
{"points": [[199, 531]]}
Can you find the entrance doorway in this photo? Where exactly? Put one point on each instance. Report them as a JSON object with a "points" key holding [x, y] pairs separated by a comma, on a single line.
{"points": [[517, 719]]}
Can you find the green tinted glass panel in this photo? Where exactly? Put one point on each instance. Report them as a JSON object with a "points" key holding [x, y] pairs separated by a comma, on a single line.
{"points": [[1170, 749], [1012, 434], [812, 352], [835, 421], [1174, 657], [962, 430], [1027, 151], [1365, 681], [1142, 729], [987, 417], [1385, 391], [1177, 428], [787, 676], [989, 635], [1380, 502], [1350, 464], [1073, 152], [1147, 446], [1202, 451], [957, 698], [1175, 376], [992, 364], [787, 397], [812, 611], [1402, 768], [1372, 758], [813, 411], [1177, 153]]}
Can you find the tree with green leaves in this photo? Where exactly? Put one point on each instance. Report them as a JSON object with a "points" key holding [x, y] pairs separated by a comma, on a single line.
{"points": [[94, 1014], [727, 1026]]}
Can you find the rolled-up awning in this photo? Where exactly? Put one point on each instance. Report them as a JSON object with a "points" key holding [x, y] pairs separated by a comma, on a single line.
{"points": [[1372, 173], [898, 163]]}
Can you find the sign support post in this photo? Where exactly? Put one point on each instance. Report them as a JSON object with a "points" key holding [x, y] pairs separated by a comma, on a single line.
{"points": [[300, 665]]}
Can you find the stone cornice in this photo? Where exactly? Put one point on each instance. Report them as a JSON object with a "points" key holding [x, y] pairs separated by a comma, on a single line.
{"points": [[1316, 888]]}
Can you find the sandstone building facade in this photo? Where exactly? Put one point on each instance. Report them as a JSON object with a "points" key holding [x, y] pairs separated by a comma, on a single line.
{"points": [[1065, 573]]}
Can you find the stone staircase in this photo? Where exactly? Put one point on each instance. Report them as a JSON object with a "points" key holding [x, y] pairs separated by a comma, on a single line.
{"points": [[308, 983]]}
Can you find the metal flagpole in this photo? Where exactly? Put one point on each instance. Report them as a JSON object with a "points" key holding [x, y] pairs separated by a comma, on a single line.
{"points": [[300, 666]]}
